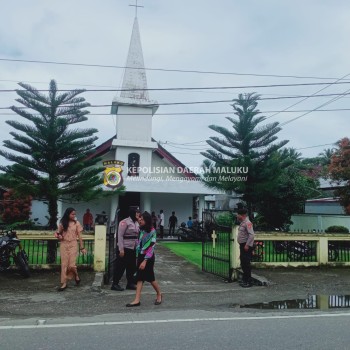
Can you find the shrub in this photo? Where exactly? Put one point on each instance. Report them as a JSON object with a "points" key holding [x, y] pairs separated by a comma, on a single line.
{"points": [[337, 229], [226, 219]]}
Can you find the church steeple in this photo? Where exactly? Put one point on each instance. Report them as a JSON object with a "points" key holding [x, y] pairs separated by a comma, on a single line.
{"points": [[133, 108], [135, 74], [134, 84]]}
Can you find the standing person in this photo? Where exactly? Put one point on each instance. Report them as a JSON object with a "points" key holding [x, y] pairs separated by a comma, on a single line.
{"points": [[189, 222], [69, 230], [172, 224], [154, 220], [245, 239], [161, 224], [145, 260], [128, 233], [88, 220]]}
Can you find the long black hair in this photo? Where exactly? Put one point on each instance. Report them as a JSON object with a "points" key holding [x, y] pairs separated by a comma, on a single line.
{"points": [[65, 218], [132, 213], [148, 221]]}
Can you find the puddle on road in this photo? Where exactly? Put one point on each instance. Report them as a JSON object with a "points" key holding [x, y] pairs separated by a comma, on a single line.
{"points": [[317, 302]]}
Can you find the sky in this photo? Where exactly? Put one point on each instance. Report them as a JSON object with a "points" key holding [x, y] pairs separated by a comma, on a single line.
{"points": [[243, 45]]}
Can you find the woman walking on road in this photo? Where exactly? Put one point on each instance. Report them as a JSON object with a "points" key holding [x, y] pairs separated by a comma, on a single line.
{"points": [[69, 230], [145, 259]]}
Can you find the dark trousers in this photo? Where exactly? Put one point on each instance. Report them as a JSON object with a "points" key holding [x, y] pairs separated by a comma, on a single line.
{"points": [[161, 231], [246, 258], [128, 263], [172, 230]]}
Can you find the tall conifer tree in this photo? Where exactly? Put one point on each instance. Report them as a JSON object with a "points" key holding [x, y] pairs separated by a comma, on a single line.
{"points": [[50, 158], [249, 145]]}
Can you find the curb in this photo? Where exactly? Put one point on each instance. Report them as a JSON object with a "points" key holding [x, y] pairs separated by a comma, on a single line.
{"points": [[257, 280]]}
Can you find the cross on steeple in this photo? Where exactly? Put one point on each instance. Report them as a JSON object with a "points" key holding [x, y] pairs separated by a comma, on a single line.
{"points": [[136, 6]]}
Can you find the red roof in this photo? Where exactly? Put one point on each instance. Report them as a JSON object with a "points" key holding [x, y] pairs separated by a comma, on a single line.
{"points": [[160, 151]]}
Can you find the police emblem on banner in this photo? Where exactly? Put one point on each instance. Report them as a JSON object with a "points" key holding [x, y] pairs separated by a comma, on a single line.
{"points": [[113, 173]]}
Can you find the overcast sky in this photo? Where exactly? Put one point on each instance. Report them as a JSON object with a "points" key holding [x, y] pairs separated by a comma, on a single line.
{"points": [[260, 41]]}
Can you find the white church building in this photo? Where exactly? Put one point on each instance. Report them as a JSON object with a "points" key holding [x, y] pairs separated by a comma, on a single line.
{"points": [[153, 178]]}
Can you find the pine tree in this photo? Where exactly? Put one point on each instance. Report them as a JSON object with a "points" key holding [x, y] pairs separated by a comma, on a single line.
{"points": [[51, 160], [249, 145]]}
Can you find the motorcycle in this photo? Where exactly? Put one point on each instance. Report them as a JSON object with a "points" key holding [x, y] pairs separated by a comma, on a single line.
{"points": [[11, 248], [258, 251], [296, 250], [194, 234]]}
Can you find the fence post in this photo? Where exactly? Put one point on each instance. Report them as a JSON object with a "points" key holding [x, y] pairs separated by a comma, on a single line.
{"points": [[234, 258], [100, 248], [322, 251]]}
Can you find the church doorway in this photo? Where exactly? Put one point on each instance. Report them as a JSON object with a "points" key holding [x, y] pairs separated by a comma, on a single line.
{"points": [[129, 199]]}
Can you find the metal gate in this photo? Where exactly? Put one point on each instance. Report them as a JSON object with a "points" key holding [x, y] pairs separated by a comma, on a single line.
{"points": [[217, 251], [110, 254]]}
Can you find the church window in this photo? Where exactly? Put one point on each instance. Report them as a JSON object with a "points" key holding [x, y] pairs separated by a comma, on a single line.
{"points": [[133, 164]]}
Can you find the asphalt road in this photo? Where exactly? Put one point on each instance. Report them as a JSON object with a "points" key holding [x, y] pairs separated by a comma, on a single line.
{"points": [[195, 330], [199, 311]]}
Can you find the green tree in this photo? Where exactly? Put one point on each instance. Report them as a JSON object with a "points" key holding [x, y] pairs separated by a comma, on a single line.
{"points": [[285, 197], [326, 156], [51, 160], [250, 146]]}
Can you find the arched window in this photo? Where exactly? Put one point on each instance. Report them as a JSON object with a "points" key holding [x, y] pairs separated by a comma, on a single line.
{"points": [[133, 164]]}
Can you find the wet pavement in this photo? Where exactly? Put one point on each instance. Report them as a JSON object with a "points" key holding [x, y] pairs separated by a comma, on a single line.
{"points": [[183, 285]]}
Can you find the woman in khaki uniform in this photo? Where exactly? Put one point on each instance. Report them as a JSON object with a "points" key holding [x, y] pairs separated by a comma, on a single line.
{"points": [[69, 230]]}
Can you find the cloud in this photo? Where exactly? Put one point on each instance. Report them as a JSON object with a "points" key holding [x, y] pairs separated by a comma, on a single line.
{"points": [[296, 38]]}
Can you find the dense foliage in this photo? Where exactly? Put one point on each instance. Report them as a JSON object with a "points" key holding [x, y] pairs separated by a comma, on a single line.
{"points": [[50, 159], [339, 170]]}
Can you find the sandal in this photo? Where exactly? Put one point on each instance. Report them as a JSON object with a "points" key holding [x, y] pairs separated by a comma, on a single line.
{"points": [[158, 302], [77, 281], [61, 289]]}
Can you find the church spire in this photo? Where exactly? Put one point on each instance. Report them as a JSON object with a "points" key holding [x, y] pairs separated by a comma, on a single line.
{"points": [[134, 80], [135, 74]]}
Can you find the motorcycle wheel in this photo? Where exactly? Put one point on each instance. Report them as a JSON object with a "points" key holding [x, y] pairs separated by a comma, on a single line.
{"points": [[22, 265]]}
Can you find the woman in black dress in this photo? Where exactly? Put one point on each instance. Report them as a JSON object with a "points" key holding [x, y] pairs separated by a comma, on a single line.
{"points": [[145, 259]]}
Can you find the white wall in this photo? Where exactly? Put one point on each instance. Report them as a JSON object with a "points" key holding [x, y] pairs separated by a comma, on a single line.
{"points": [[309, 222], [324, 208], [180, 203], [39, 211]]}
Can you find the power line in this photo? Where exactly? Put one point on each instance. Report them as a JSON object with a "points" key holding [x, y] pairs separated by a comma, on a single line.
{"points": [[192, 88], [213, 101], [209, 113], [320, 106], [164, 69], [297, 149], [304, 99], [325, 144]]}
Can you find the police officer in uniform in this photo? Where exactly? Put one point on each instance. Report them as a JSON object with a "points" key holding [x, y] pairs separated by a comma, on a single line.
{"points": [[128, 232], [245, 239]]}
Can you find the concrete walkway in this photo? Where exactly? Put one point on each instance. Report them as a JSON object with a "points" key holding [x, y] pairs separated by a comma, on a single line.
{"points": [[183, 285]]}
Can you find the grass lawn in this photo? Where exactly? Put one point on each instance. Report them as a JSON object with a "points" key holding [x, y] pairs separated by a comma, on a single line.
{"points": [[190, 251]]}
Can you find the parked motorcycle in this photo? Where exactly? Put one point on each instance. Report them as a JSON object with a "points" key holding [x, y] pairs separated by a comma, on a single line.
{"points": [[258, 252], [194, 234], [296, 250], [11, 249]]}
